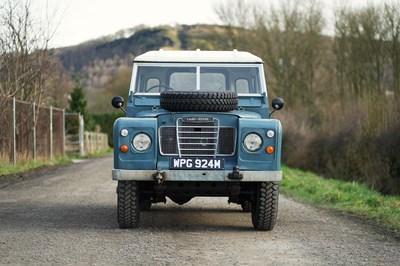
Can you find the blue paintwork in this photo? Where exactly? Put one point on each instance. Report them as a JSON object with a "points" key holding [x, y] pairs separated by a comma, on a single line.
{"points": [[144, 115], [148, 106], [134, 159], [260, 159], [149, 117]]}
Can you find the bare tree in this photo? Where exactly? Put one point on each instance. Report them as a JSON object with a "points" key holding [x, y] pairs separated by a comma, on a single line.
{"points": [[367, 49], [237, 18], [28, 71], [391, 17], [289, 38], [26, 64]]}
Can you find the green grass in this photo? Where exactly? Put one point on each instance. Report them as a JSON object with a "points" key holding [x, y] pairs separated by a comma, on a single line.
{"points": [[100, 153], [9, 169], [344, 196]]}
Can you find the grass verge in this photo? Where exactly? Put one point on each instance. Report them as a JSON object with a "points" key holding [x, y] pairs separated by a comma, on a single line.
{"points": [[344, 196], [98, 154], [9, 169]]}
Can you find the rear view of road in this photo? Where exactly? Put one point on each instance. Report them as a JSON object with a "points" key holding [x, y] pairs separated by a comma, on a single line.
{"points": [[69, 217]]}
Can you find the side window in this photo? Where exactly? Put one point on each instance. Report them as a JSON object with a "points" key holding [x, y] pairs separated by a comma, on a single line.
{"points": [[152, 83], [242, 86]]}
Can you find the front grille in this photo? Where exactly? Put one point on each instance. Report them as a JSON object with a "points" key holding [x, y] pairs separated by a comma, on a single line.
{"points": [[197, 139], [197, 136]]}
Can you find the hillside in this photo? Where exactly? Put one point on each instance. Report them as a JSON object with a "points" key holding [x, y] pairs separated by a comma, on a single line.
{"points": [[101, 63]]}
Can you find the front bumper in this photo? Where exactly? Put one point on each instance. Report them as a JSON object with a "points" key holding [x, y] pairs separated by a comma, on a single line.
{"points": [[195, 175]]}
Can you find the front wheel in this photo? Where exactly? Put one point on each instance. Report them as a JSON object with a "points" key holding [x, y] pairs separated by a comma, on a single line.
{"points": [[128, 204], [264, 209]]}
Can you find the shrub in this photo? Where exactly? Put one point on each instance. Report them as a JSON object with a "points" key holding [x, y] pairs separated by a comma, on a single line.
{"points": [[358, 142]]}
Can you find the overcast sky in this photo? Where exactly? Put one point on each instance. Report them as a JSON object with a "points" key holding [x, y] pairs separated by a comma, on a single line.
{"points": [[82, 20]]}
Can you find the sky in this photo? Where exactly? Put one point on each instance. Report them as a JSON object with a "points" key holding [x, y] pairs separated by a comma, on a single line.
{"points": [[81, 20], [77, 21]]}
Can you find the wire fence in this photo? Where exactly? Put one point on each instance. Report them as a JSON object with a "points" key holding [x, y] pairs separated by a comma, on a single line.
{"points": [[30, 133]]}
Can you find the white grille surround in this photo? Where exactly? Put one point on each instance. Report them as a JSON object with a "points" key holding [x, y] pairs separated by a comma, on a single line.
{"points": [[197, 136]]}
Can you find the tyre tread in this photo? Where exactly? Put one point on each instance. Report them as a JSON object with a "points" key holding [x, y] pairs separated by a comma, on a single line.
{"points": [[198, 101], [265, 209], [128, 204]]}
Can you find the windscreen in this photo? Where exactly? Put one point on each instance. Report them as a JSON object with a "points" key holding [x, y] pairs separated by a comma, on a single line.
{"points": [[239, 79]]}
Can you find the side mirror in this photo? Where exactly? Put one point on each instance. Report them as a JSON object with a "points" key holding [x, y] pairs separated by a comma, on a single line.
{"points": [[277, 104], [117, 102]]}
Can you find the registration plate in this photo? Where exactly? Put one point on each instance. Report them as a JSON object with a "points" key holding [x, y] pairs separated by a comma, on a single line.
{"points": [[197, 163]]}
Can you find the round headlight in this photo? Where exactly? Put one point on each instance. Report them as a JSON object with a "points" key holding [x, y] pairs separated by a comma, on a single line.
{"points": [[141, 142], [252, 142]]}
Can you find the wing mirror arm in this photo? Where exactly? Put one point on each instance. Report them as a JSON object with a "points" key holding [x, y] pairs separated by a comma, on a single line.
{"points": [[117, 102], [277, 104]]}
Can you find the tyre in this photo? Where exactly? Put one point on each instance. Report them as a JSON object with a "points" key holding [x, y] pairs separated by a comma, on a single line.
{"points": [[265, 206], [246, 206], [128, 204], [199, 101]]}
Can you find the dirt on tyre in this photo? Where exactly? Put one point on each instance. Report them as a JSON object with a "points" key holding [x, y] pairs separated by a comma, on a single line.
{"points": [[265, 206], [128, 204], [198, 101]]}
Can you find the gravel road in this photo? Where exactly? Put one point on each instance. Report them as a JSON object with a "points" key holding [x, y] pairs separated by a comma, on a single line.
{"points": [[68, 217]]}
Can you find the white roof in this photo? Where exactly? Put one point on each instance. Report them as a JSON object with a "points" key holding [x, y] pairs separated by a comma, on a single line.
{"points": [[198, 56]]}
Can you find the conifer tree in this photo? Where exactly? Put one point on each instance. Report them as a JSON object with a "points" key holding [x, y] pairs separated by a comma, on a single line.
{"points": [[78, 104]]}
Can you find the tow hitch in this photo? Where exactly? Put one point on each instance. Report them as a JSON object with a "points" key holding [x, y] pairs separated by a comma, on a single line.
{"points": [[159, 187]]}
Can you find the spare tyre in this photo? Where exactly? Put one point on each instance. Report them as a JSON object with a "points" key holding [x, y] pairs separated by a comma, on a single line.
{"points": [[198, 101]]}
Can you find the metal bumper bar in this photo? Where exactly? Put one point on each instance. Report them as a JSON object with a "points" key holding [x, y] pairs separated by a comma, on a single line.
{"points": [[194, 175]]}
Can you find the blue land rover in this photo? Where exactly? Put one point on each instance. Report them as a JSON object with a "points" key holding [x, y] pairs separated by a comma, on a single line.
{"points": [[197, 123]]}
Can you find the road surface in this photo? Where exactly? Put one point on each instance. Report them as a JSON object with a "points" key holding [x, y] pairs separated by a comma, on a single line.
{"points": [[68, 216]]}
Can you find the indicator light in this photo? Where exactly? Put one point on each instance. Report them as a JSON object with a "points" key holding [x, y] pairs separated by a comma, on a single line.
{"points": [[270, 149], [124, 148]]}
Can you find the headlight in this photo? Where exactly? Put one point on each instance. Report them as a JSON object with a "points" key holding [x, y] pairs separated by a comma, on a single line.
{"points": [[252, 142], [141, 142]]}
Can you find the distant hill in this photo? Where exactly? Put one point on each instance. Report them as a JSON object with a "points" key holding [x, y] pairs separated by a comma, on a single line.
{"points": [[103, 56], [78, 57], [96, 63]]}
